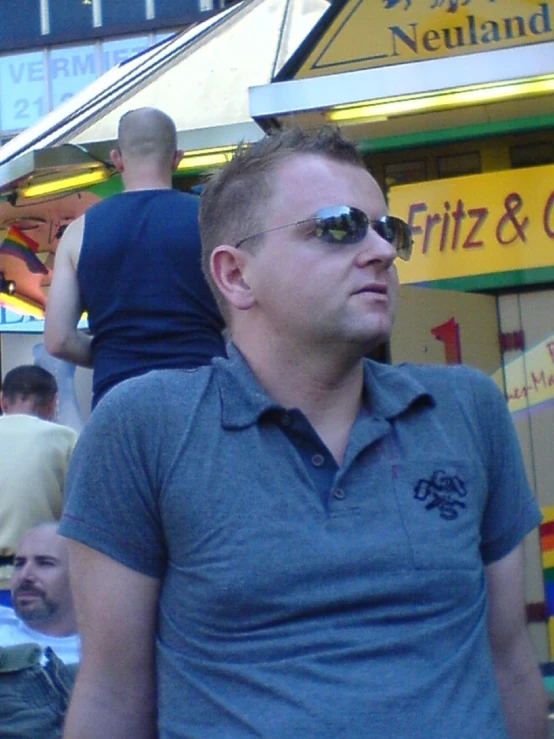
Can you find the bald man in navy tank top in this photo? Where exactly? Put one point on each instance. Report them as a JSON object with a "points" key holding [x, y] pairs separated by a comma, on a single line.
{"points": [[133, 263]]}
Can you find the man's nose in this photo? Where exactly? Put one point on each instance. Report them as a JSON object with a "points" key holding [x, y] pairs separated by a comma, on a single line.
{"points": [[27, 573], [375, 248]]}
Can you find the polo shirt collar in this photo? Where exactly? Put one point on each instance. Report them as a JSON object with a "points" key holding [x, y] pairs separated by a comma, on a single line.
{"points": [[388, 390], [243, 399], [391, 389]]}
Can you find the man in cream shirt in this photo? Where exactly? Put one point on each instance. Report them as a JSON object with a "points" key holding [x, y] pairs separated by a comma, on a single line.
{"points": [[34, 453]]}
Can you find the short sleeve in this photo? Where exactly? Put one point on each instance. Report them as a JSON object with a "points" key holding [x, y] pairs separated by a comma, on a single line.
{"points": [[112, 486], [511, 511]]}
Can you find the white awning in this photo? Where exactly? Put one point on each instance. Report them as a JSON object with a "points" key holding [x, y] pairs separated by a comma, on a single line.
{"points": [[200, 78], [315, 100]]}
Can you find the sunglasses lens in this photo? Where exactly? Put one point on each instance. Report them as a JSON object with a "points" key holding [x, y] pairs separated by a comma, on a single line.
{"points": [[341, 225], [396, 232]]}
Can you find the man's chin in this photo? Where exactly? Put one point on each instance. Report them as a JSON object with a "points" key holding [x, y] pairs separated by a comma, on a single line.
{"points": [[370, 339], [24, 609], [32, 610]]}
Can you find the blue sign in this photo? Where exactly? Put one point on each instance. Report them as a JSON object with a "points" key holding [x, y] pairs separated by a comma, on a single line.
{"points": [[115, 52], [68, 69], [11, 322], [71, 69], [22, 90]]}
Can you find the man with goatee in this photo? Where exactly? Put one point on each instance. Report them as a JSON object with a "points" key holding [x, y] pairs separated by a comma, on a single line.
{"points": [[39, 645]]}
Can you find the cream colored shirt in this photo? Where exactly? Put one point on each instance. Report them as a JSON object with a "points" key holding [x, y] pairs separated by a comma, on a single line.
{"points": [[34, 455]]}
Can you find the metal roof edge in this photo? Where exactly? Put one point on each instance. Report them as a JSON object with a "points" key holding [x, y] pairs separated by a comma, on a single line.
{"points": [[76, 157], [113, 83], [410, 78]]}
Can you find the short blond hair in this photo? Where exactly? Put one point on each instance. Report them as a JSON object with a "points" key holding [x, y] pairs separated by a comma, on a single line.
{"points": [[234, 202]]}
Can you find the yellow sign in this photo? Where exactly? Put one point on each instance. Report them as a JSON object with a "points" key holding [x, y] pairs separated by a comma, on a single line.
{"points": [[373, 33], [476, 225], [530, 378]]}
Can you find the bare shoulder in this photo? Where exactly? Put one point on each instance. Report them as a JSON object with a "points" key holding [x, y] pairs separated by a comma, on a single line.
{"points": [[70, 243]]}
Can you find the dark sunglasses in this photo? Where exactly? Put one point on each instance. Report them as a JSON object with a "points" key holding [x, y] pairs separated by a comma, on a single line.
{"points": [[343, 224]]}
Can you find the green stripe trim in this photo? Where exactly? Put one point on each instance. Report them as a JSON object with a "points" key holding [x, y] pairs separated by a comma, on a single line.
{"points": [[548, 574], [492, 281], [424, 138], [196, 172], [108, 187]]}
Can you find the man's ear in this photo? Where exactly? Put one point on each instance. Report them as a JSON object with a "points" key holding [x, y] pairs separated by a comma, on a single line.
{"points": [[228, 267], [177, 158], [4, 403], [117, 160]]}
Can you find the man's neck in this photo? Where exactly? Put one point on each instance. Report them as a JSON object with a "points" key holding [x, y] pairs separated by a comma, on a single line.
{"points": [[146, 180], [148, 186], [328, 390], [22, 411]]}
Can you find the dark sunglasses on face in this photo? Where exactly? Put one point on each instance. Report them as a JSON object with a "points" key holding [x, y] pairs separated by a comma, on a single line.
{"points": [[343, 224]]}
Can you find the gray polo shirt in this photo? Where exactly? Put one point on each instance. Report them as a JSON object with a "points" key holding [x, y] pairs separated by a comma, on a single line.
{"points": [[301, 598]]}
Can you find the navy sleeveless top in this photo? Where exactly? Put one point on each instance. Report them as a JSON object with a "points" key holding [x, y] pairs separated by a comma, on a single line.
{"points": [[141, 282]]}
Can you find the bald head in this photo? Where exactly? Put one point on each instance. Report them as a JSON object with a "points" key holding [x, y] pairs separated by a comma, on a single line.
{"points": [[41, 593], [147, 153], [147, 133]]}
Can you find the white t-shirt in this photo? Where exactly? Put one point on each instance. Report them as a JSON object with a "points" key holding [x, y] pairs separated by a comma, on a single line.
{"points": [[14, 631]]}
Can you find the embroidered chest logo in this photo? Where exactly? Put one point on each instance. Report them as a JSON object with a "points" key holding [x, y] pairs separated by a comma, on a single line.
{"points": [[443, 492]]}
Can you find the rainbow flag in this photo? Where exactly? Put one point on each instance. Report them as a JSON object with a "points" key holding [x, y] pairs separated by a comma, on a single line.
{"points": [[546, 537], [17, 244]]}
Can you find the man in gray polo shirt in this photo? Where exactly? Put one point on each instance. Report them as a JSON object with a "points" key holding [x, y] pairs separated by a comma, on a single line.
{"points": [[296, 541]]}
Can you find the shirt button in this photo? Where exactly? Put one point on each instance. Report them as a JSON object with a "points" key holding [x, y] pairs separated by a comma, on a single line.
{"points": [[318, 460], [339, 494]]}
